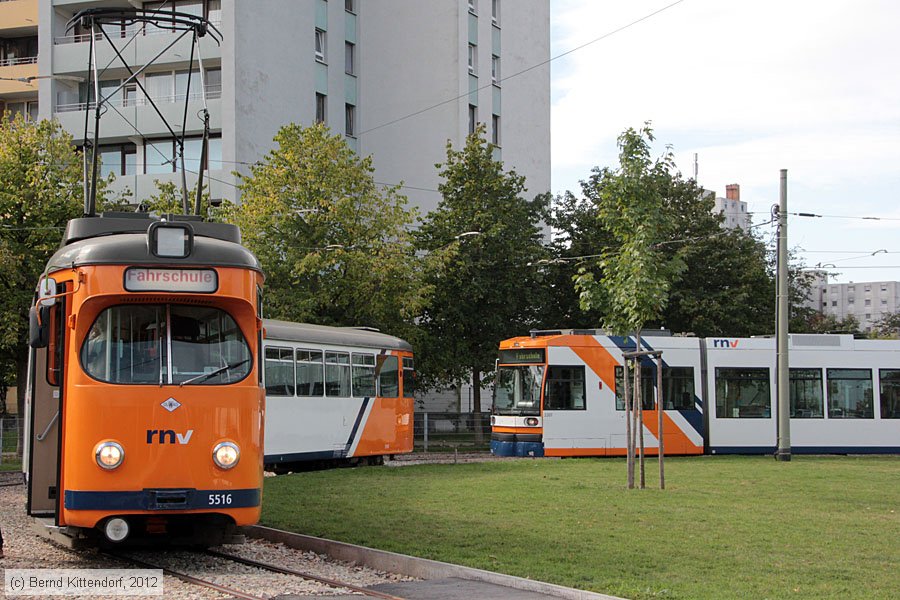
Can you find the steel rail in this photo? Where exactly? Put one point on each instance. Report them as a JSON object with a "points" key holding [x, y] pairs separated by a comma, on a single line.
{"points": [[284, 570]]}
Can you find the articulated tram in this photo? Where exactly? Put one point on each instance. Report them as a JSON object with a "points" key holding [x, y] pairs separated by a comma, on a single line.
{"points": [[560, 393], [335, 396], [145, 405]]}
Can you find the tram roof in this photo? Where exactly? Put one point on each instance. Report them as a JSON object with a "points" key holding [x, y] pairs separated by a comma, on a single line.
{"points": [[339, 336], [121, 238]]}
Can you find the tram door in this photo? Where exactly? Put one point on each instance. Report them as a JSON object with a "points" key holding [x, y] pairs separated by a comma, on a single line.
{"points": [[45, 378]]}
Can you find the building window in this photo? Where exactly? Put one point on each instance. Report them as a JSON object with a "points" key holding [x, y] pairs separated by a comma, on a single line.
{"points": [[495, 130], [868, 302], [806, 394], [28, 110], [743, 393], [349, 120], [320, 108], [473, 59], [851, 288], [473, 118], [850, 394], [850, 300], [495, 12], [350, 6], [834, 302], [472, 7], [350, 58], [320, 45], [868, 288], [495, 69], [120, 159], [159, 156], [890, 393]]}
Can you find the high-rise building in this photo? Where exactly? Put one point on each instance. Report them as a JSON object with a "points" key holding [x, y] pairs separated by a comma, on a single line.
{"points": [[733, 209], [868, 301], [397, 78], [19, 58]]}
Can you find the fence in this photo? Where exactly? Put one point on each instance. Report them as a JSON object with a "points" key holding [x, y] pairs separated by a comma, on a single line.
{"points": [[447, 432], [9, 440]]}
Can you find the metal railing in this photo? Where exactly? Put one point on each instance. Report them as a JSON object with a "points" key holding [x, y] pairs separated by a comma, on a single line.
{"points": [[10, 62], [448, 432], [212, 92], [118, 33], [9, 439]]}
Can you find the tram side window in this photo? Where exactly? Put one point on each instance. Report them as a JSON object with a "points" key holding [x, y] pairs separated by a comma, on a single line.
{"points": [[890, 393], [363, 375], [337, 374], [54, 351], [279, 371], [564, 389], [678, 388], [807, 397], [743, 393], [648, 383], [388, 377], [850, 394], [409, 377], [310, 374]]}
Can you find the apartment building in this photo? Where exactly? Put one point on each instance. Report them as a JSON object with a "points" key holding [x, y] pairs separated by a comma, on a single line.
{"points": [[19, 57], [733, 209], [868, 301], [396, 78]]}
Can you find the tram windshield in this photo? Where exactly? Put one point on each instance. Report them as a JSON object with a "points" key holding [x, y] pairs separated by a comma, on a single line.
{"points": [[166, 344], [518, 390]]}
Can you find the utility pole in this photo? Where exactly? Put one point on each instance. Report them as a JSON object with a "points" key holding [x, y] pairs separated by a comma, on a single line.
{"points": [[783, 453]]}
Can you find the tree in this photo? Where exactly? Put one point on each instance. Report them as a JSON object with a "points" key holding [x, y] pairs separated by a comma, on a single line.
{"points": [[334, 247], [484, 284], [168, 199], [40, 190], [637, 272], [888, 326]]}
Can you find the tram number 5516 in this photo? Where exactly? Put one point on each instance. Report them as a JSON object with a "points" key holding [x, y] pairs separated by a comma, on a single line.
{"points": [[219, 499]]}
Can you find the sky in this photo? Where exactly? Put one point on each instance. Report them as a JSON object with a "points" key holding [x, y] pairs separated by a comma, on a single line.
{"points": [[753, 87]]}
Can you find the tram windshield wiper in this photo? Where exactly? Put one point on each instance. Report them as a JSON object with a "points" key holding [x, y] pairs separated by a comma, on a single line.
{"points": [[211, 374]]}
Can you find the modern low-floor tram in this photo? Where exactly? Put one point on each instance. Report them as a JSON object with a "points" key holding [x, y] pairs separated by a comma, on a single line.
{"points": [[560, 393]]}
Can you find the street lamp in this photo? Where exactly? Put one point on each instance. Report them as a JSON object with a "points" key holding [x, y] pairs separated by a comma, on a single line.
{"points": [[31, 78]]}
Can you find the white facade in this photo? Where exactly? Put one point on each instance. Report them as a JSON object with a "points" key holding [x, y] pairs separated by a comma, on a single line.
{"points": [[868, 301], [735, 213], [376, 65]]}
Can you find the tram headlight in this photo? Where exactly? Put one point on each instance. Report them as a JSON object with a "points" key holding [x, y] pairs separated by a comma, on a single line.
{"points": [[532, 421], [226, 455], [109, 455]]}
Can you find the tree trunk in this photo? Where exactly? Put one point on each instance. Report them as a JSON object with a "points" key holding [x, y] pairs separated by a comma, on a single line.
{"points": [[629, 466], [476, 406]]}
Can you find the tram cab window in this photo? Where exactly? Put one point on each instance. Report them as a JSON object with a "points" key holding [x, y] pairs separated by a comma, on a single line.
{"points": [[743, 393], [337, 374], [310, 374], [565, 389], [807, 397], [388, 377], [279, 368], [850, 394], [363, 375], [518, 390], [890, 393], [131, 345], [409, 377]]}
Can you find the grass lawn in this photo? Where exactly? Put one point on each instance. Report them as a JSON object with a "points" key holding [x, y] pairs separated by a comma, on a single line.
{"points": [[726, 527]]}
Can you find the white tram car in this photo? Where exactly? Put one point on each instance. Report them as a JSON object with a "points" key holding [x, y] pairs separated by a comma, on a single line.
{"points": [[560, 394], [335, 395]]}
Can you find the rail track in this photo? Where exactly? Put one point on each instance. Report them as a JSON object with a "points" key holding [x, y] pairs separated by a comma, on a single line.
{"points": [[238, 593]]}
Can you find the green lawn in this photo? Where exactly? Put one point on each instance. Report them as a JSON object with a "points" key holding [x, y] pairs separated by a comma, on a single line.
{"points": [[726, 527]]}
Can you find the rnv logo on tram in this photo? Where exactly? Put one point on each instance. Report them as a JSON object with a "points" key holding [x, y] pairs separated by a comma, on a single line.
{"points": [[171, 435]]}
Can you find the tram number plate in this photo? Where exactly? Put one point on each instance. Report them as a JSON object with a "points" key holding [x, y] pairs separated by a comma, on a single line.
{"points": [[219, 499]]}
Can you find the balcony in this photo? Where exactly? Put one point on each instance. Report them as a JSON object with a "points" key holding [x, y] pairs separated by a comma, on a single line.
{"points": [[15, 69], [18, 17]]}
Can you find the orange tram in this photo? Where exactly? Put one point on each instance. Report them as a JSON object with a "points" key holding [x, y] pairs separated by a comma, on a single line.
{"points": [[145, 406]]}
